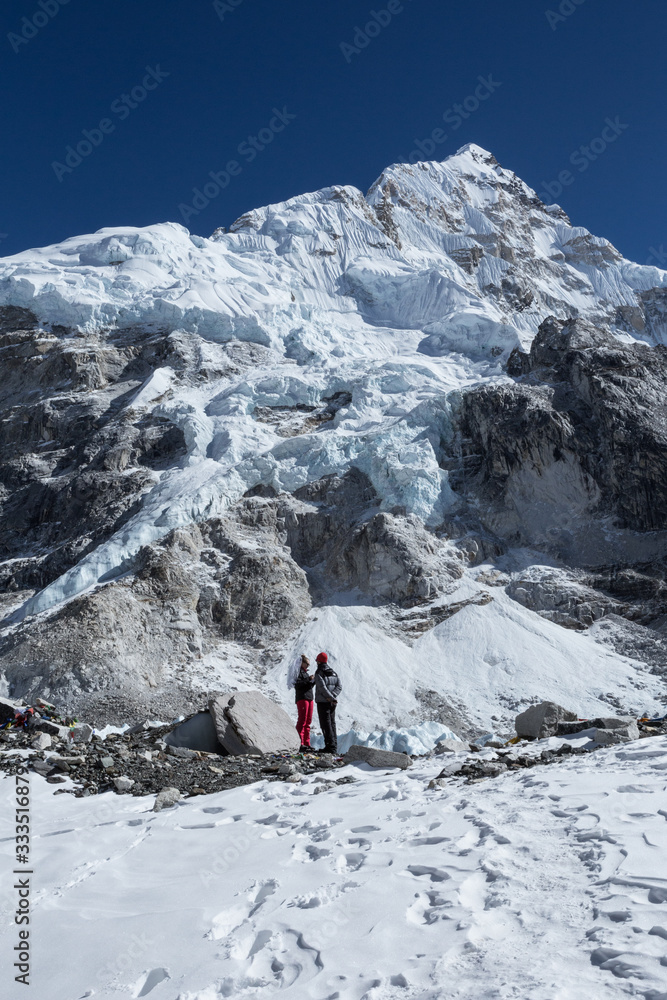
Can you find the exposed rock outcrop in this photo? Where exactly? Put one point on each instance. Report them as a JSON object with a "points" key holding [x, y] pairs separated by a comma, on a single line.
{"points": [[572, 457]]}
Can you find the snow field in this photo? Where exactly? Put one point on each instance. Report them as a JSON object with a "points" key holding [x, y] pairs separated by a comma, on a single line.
{"points": [[547, 884]]}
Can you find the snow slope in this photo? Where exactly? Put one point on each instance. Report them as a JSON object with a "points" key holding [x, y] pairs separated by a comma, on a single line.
{"points": [[547, 884], [492, 659]]}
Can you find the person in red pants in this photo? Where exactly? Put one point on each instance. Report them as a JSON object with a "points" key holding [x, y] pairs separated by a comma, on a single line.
{"points": [[303, 690]]}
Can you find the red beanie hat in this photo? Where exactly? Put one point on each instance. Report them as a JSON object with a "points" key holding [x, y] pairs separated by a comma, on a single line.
{"points": [[321, 658]]}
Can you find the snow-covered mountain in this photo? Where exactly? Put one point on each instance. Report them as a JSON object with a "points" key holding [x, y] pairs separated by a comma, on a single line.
{"points": [[336, 425]]}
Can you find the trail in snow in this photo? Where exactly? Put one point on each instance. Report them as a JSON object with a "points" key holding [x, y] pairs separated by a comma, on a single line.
{"points": [[548, 884]]}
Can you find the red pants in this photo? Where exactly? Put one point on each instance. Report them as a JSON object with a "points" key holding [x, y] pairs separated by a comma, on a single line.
{"points": [[305, 709]]}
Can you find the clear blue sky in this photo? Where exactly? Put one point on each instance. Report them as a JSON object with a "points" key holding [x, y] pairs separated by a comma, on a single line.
{"points": [[555, 81]]}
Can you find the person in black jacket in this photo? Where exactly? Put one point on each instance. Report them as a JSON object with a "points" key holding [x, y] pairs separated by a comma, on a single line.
{"points": [[303, 691], [327, 689]]}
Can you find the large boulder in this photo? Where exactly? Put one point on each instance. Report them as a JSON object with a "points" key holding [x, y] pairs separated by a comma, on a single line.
{"points": [[225, 731], [377, 758], [540, 721], [619, 734], [247, 722]]}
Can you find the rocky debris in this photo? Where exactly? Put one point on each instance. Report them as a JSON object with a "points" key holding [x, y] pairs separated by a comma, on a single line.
{"points": [[542, 720], [185, 752], [261, 723], [142, 757], [81, 733], [166, 798], [423, 621], [41, 742], [562, 598], [377, 758]]}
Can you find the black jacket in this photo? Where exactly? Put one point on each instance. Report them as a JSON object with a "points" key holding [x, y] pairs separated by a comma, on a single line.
{"points": [[303, 687], [327, 684]]}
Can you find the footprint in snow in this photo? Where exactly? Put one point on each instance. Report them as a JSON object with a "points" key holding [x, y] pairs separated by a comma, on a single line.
{"points": [[433, 874], [428, 908], [149, 980], [351, 862]]}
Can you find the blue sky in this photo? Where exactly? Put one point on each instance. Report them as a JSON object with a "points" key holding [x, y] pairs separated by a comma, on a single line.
{"points": [[185, 88]]}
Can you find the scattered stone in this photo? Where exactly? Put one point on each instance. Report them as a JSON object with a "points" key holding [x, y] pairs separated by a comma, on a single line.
{"points": [[377, 758], [55, 779], [41, 742], [166, 798], [42, 767], [81, 733], [182, 752], [52, 728], [286, 769], [540, 721], [325, 760], [106, 762], [123, 783], [141, 727], [294, 779]]}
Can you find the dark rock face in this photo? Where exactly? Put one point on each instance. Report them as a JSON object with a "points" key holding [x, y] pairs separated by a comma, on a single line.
{"points": [[75, 461], [580, 440]]}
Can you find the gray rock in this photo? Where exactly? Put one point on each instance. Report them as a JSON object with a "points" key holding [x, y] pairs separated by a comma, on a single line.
{"points": [[569, 728], [226, 733], [377, 758], [540, 721], [285, 769], [41, 742], [81, 733], [451, 746], [8, 710], [52, 728], [42, 767], [182, 752], [261, 723], [123, 783], [107, 762], [166, 798], [621, 722], [620, 734]]}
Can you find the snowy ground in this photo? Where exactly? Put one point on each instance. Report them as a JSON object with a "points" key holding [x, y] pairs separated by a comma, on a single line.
{"points": [[547, 884]]}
